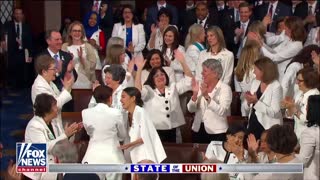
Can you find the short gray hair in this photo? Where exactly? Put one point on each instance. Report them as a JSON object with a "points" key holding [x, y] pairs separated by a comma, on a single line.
{"points": [[214, 65], [117, 72], [65, 151]]}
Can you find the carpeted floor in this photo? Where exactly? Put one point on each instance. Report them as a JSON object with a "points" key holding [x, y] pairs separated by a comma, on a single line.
{"points": [[15, 105]]}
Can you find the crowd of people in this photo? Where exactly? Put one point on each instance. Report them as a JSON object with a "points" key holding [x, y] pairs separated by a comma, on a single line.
{"points": [[155, 71]]}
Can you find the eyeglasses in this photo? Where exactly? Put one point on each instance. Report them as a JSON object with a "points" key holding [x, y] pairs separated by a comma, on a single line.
{"points": [[299, 80], [74, 30]]}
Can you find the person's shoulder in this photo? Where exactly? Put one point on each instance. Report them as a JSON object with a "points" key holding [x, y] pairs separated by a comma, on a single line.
{"points": [[215, 143]]}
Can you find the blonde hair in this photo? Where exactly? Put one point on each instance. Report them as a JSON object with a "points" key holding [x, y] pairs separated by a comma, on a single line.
{"points": [[193, 34], [220, 38], [259, 28], [114, 56], [69, 37], [112, 41], [249, 54]]}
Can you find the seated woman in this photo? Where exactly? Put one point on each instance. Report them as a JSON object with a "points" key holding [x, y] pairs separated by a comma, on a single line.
{"points": [[258, 150], [155, 59], [263, 100], [162, 97], [310, 151], [211, 102], [105, 126], [308, 80], [281, 140], [39, 129], [84, 55], [144, 144], [229, 151]]}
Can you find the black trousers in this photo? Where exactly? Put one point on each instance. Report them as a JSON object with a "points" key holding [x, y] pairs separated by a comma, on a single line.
{"points": [[167, 135], [203, 137]]}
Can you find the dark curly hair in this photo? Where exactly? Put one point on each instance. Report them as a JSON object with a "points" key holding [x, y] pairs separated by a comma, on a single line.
{"points": [[282, 139], [43, 104], [102, 93]]}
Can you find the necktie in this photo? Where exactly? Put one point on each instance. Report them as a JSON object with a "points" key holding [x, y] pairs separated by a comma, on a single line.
{"points": [[18, 31], [271, 10], [243, 27], [200, 22], [237, 18], [56, 58], [96, 5], [310, 10]]}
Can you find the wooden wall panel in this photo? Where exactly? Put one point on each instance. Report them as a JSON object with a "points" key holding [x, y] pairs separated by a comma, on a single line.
{"points": [[70, 8]]}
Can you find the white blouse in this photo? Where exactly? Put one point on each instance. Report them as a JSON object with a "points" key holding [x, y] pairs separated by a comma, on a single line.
{"points": [[175, 64]]}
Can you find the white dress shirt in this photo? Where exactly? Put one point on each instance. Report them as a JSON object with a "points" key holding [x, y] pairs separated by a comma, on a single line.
{"points": [[213, 115], [274, 7], [310, 152], [225, 57], [312, 37]]}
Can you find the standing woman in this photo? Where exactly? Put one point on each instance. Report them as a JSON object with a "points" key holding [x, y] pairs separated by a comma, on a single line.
{"points": [[194, 45], [162, 97], [145, 144], [308, 81], [156, 38], [263, 100], [217, 50], [130, 31], [310, 151], [39, 129], [171, 44], [83, 53], [105, 127]]}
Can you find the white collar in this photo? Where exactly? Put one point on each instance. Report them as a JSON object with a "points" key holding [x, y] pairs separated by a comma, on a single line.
{"points": [[189, 7], [204, 20], [246, 23], [51, 53], [275, 4], [159, 6]]}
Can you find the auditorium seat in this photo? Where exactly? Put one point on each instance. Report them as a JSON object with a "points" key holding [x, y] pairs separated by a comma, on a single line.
{"points": [[81, 99]]}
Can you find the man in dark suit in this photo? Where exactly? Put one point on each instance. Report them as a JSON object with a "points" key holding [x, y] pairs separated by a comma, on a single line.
{"points": [[64, 62], [19, 51], [201, 15], [307, 11], [93, 5], [274, 9], [152, 13]]}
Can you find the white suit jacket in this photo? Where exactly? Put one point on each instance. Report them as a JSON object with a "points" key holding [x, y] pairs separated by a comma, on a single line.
{"points": [[192, 56], [225, 57], [288, 81], [213, 115], [268, 110], [312, 37], [166, 110], [175, 64], [38, 132], [40, 86], [105, 127], [138, 36], [310, 152], [282, 54]]}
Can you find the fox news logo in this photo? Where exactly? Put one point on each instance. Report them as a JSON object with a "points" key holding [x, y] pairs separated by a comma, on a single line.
{"points": [[31, 157]]}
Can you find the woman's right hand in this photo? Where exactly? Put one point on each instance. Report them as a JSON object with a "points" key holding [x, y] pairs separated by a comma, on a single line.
{"points": [[68, 81], [153, 29], [72, 129], [139, 62], [253, 144]]}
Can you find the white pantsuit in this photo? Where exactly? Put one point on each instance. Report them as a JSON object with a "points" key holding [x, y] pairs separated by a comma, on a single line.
{"points": [[40, 86], [138, 36], [105, 127], [267, 108]]}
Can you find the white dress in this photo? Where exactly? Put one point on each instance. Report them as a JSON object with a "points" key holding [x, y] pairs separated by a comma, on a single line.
{"points": [[175, 64], [142, 127], [82, 81]]}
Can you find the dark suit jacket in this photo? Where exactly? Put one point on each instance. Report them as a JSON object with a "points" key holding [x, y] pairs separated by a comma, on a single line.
{"points": [[152, 14], [70, 176], [302, 9], [228, 26], [86, 6], [66, 58], [26, 36], [281, 10], [237, 45]]}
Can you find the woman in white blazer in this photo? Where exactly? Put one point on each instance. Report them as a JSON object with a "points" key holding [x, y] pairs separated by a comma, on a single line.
{"points": [[130, 31], [155, 59], [211, 102], [106, 128], [302, 59], [170, 45], [162, 97], [263, 100], [285, 51], [308, 82], [310, 146], [314, 34], [217, 50], [46, 69], [194, 45], [39, 129], [156, 37], [144, 143]]}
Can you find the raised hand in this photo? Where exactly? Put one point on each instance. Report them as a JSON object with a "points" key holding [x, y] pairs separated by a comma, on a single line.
{"points": [[239, 32], [267, 20], [95, 84], [253, 144], [70, 66], [204, 89], [71, 129], [153, 29], [130, 47], [67, 81], [179, 56], [139, 62], [251, 98]]}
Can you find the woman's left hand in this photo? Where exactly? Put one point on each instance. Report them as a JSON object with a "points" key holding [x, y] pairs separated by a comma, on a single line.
{"points": [[251, 98], [130, 47], [125, 146], [179, 56]]}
